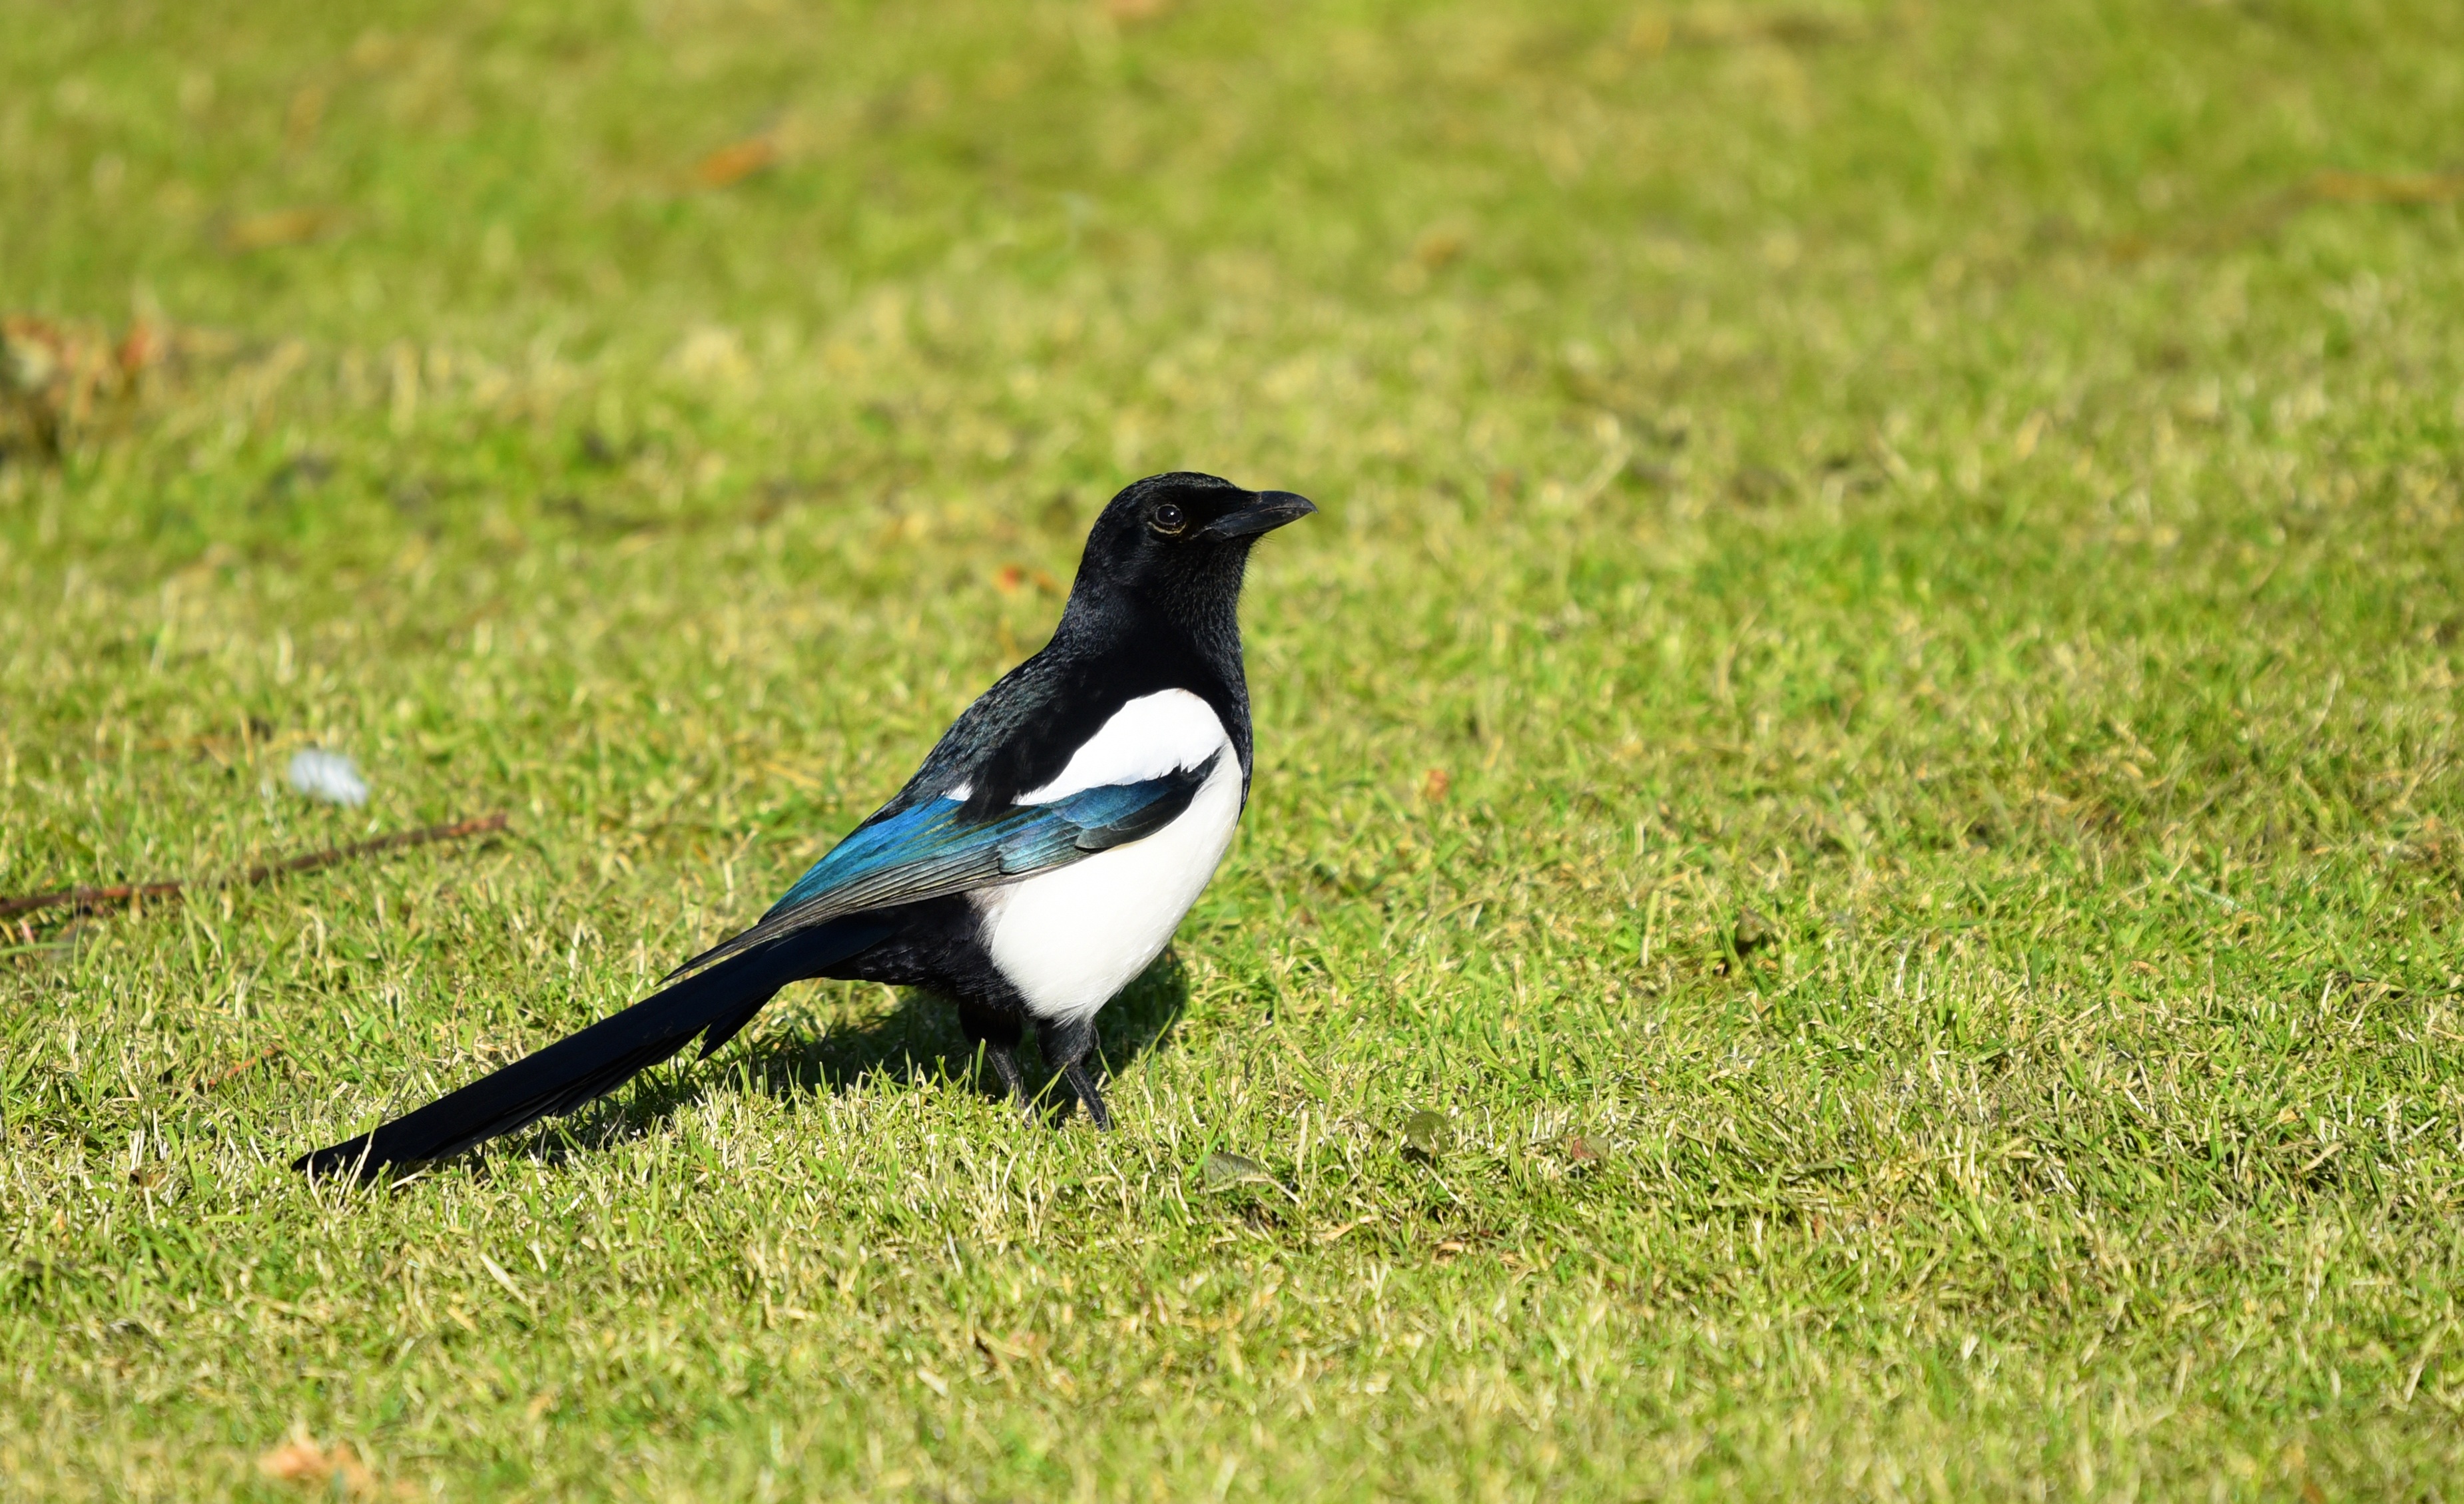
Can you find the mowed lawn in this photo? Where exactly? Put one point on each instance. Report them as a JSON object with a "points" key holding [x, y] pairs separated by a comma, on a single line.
{"points": [[1852, 884]]}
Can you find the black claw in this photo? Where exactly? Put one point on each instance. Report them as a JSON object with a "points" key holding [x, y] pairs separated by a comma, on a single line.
{"points": [[1083, 1082]]}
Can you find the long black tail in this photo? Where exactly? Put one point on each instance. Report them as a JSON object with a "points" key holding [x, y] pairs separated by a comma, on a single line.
{"points": [[582, 1067]]}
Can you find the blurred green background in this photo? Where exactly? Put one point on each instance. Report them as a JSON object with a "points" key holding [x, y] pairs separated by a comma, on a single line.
{"points": [[1852, 882]]}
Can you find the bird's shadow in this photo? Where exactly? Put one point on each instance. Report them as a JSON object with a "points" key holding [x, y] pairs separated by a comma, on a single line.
{"points": [[917, 1040]]}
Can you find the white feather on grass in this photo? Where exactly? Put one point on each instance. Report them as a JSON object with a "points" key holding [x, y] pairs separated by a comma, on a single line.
{"points": [[328, 775]]}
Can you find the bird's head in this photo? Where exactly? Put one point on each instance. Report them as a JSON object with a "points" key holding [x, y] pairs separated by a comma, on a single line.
{"points": [[1175, 545]]}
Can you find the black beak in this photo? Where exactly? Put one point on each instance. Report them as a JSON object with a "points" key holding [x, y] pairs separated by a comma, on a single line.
{"points": [[1270, 510]]}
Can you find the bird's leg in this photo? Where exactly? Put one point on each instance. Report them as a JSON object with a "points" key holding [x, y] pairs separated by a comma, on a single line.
{"points": [[1005, 1066], [1068, 1044], [997, 1037]]}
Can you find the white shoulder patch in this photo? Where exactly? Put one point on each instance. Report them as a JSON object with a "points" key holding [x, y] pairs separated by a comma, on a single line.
{"points": [[1152, 736]]}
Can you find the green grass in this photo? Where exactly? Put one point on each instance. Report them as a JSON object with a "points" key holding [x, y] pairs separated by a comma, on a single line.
{"points": [[1956, 480]]}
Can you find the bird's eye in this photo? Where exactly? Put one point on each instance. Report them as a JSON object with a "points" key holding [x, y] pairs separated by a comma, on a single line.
{"points": [[1169, 520]]}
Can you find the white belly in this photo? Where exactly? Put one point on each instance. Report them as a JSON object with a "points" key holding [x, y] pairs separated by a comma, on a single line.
{"points": [[1069, 939]]}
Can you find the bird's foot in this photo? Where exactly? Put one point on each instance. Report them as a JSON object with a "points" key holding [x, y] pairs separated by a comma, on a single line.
{"points": [[1083, 1082]]}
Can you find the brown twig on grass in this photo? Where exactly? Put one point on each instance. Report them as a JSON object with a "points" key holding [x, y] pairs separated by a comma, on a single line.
{"points": [[86, 900], [2399, 189]]}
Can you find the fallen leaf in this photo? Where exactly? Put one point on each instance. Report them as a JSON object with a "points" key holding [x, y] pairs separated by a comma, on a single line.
{"points": [[1221, 1171], [301, 1460], [258, 1059], [1434, 787], [1331, 1234], [736, 160]]}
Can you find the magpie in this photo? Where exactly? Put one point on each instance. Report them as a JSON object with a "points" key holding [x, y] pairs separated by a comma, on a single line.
{"points": [[1037, 862]]}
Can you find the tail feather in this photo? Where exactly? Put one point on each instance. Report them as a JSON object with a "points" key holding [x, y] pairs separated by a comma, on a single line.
{"points": [[582, 1067]]}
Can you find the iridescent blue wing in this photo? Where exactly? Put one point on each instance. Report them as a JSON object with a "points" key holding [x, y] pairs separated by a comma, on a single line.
{"points": [[931, 850]]}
